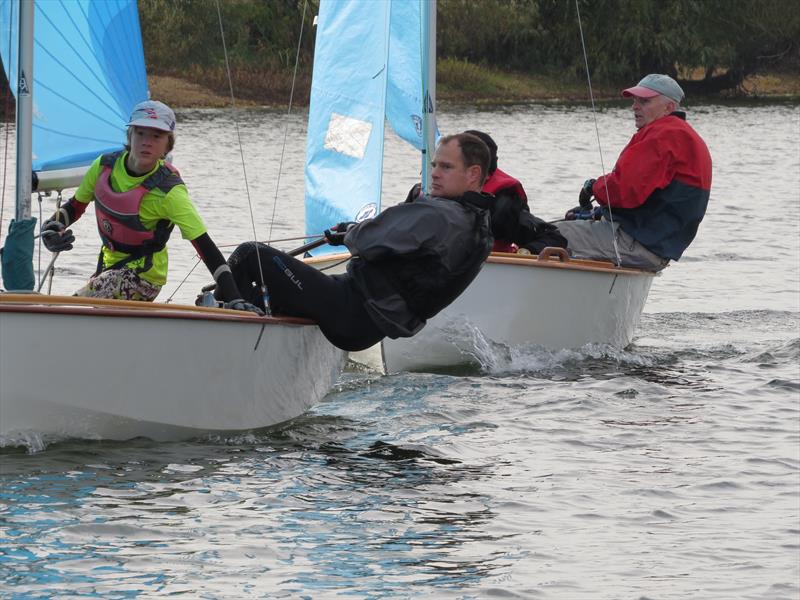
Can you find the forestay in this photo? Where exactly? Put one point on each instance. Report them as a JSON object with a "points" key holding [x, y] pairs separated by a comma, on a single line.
{"points": [[367, 69]]}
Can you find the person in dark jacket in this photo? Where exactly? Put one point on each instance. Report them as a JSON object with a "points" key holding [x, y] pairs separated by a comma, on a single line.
{"points": [[407, 264], [514, 227], [653, 201], [509, 196]]}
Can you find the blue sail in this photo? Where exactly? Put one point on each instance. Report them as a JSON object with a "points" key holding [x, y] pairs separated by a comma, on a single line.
{"points": [[404, 94], [367, 70], [88, 74], [344, 148]]}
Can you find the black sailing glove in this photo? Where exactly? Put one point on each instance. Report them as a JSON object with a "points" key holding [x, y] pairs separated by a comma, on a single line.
{"points": [[586, 194], [240, 304], [56, 237], [335, 235], [414, 192]]}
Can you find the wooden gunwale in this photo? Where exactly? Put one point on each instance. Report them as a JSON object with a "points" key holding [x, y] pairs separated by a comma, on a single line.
{"points": [[101, 307], [570, 264], [526, 260]]}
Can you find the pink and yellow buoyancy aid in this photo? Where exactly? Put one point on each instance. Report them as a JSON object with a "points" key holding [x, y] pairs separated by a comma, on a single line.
{"points": [[118, 222]]}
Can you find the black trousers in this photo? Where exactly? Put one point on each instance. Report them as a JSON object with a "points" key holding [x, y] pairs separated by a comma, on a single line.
{"points": [[298, 290]]}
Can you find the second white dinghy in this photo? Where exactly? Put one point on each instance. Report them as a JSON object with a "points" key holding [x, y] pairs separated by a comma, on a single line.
{"points": [[548, 301]]}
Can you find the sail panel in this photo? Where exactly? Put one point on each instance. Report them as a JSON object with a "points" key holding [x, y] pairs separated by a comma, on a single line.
{"points": [[404, 90], [344, 152], [88, 74]]}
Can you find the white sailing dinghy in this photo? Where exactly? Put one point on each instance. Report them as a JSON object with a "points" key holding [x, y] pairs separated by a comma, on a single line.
{"points": [[109, 369], [383, 67]]}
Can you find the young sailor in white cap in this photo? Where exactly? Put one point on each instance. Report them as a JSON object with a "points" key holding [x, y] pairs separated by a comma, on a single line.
{"points": [[139, 198]]}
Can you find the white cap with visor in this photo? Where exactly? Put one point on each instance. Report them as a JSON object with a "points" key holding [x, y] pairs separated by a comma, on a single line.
{"points": [[153, 114]]}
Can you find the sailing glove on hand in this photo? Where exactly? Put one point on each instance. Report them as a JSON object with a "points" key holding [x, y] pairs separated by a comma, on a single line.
{"points": [[56, 237], [240, 304], [584, 214], [586, 194], [414, 192], [574, 213], [335, 235]]}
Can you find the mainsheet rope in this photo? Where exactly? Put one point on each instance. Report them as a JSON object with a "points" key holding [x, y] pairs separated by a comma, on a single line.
{"points": [[238, 134], [597, 134], [241, 146], [288, 113]]}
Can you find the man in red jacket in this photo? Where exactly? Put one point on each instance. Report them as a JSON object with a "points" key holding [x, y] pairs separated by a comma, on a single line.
{"points": [[652, 203]]}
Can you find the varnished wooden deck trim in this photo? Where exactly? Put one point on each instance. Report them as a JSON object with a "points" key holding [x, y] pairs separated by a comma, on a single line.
{"points": [[526, 260], [41, 303]]}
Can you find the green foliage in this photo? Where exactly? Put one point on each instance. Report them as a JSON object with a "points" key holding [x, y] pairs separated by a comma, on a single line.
{"points": [[624, 38], [181, 34], [503, 33]]}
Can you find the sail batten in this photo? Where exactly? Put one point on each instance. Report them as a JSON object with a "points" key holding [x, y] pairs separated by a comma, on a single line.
{"points": [[88, 74]]}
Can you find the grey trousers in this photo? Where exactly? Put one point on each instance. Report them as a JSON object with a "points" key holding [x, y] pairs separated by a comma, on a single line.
{"points": [[595, 240]]}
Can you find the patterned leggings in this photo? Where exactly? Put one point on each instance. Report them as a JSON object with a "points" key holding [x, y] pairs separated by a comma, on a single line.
{"points": [[119, 284]]}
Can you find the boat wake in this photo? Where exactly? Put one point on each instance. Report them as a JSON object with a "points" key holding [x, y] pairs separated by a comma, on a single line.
{"points": [[29, 441], [666, 341], [485, 356]]}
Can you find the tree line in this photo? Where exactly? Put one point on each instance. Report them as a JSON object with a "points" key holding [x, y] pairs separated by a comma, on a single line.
{"points": [[708, 45], [712, 45]]}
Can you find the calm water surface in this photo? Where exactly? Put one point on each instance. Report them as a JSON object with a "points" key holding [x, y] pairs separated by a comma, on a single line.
{"points": [[670, 469]]}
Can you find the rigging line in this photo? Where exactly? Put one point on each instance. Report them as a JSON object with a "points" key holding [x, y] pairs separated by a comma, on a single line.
{"points": [[39, 264], [235, 120], [597, 133], [334, 265], [286, 128], [57, 254], [313, 236], [175, 291], [48, 272]]}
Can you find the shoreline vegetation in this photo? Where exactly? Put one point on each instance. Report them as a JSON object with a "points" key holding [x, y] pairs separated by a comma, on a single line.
{"points": [[460, 84], [489, 52]]}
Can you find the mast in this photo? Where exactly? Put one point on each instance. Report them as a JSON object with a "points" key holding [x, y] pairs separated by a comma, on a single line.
{"points": [[24, 110], [17, 256], [428, 88]]}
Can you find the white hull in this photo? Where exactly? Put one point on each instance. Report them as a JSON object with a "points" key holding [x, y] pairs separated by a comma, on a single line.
{"points": [[517, 300], [108, 369], [548, 301]]}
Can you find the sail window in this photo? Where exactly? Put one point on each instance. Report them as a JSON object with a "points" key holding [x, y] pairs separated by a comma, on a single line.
{"points": [[347, 135]]}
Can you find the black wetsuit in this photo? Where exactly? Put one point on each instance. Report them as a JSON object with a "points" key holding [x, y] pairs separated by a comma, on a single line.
{"points": [[408, 263]]}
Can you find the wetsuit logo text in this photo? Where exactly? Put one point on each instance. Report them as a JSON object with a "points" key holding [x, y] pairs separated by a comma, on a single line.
{"points": [[287, 271]]}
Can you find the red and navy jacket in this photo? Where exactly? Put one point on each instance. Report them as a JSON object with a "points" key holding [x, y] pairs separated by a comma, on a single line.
{"points": [[500, 182], [659, 188]]}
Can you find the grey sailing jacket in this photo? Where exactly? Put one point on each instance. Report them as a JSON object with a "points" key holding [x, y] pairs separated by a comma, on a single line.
{"points": [[414, 259]]}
